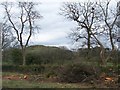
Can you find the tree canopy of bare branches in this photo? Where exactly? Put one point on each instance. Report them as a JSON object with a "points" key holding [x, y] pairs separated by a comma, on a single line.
{"points": [[109, 16], [84, 14], [95, 19], [8, 39]]}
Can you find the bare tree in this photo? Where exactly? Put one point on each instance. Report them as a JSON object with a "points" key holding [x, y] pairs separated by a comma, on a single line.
{"points": [[109, 16], [84, 15], [23, 23], [88, 17], [8, 39]]}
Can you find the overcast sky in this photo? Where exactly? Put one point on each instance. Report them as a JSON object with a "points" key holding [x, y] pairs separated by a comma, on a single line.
{"points": [[54, 27]]}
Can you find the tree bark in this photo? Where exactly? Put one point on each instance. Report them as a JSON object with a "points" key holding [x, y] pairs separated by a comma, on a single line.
{"points": [[102, 55], [102, 52], [111, 40], [24, 56], [88, 41]]}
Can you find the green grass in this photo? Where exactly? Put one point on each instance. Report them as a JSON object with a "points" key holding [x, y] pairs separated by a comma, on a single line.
{"points": [[37, 84], [46, 84], [27, 84], [10, 73]]}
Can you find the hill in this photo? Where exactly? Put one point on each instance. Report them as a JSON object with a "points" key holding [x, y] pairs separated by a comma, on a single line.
{"points": [[38, 54]]}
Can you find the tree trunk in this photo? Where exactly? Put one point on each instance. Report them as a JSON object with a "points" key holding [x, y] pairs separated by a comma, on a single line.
{"points": [[102, 56], [111, 40], [102, 52], [24, 56], [88, 41], [88, 44]]}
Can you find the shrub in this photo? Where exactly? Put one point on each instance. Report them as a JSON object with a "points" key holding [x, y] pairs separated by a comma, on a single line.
{"points": [[48, 55], [51, 71], [12, 56], [111, 69], [16, 56], [33, 58], [50, 74], [75, 73], [35, 69]]}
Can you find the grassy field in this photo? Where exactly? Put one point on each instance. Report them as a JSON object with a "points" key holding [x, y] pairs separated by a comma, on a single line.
{"points": [[27, 84], [17, 80], [24, 83], [14, 82]]}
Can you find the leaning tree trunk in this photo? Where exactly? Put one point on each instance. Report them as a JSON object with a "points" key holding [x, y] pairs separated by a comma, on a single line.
{"points": [[102, 51], [111, 40], [102, 55]]}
